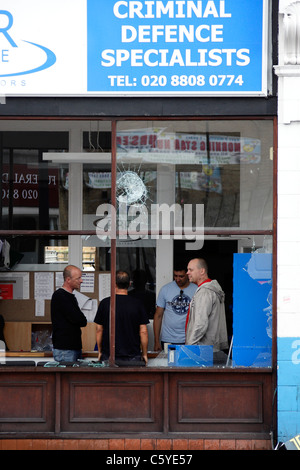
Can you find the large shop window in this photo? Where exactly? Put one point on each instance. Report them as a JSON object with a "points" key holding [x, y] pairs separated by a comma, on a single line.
{"points": [[216, 178], [179, 190]]}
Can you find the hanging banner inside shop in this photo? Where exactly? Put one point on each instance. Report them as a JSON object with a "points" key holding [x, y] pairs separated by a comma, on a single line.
{"points": [[133, 48], [157, 145]]}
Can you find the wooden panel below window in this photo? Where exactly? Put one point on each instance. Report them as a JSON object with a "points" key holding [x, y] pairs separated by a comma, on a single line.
{"points": [[198, 403], [27, 402], [219, 403], [87, 401], [116, 402]]}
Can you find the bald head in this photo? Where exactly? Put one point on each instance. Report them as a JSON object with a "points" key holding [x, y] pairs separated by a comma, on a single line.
{"points": [[197, 270], [72, 278]]}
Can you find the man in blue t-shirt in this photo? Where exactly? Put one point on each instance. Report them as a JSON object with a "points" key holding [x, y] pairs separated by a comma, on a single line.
{"points": [[171, 310]]}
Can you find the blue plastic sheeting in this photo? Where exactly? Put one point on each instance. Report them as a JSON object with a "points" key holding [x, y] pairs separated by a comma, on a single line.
{"points": [[190, 356], [252, 309]]}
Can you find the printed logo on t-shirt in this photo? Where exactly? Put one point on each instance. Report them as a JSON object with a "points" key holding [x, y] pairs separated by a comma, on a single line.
{"points": [[180, 304]]}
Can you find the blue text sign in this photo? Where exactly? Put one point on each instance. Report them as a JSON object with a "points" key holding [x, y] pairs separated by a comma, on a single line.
{"points": [[176, 47], [133, 47]]}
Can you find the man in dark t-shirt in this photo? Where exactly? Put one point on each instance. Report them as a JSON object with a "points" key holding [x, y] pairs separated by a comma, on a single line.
{"points": [[131, 335], [67, 318]]}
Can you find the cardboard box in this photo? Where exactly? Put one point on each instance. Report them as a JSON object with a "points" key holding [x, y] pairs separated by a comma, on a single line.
{"points": [[190, 356]]}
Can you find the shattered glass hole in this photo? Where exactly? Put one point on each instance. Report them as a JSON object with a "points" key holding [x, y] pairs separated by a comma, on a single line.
{"points": [[130, 188]]}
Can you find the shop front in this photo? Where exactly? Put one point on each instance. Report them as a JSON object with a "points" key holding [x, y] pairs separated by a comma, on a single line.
{"points": [[121, 176]]}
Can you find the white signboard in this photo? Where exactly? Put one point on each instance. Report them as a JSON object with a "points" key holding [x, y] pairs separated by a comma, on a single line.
{"points": [[133, 48]]}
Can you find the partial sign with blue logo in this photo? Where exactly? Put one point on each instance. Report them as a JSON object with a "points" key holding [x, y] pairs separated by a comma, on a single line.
{"points": [[134, 48], [43, 47]]}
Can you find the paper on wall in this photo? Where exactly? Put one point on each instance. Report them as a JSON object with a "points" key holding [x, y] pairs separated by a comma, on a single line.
{"points": [[43, 285], [87, 306]]}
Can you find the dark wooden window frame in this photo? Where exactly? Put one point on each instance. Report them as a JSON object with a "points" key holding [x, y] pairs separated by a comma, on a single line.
{"points": [[273, 232]]}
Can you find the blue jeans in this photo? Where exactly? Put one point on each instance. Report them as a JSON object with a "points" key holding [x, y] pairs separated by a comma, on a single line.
{"points": [[66, 355]]}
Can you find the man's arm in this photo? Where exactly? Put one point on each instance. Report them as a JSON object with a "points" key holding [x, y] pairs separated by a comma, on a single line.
{"points": [[144, 341], [199, 315], [99, 336], [67, 304], [159, 312]]}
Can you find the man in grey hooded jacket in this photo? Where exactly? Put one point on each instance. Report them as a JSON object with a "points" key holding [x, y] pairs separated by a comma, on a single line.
{"points": [[206, 321]]}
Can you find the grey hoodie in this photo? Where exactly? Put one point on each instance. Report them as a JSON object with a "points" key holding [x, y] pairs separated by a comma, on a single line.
{"points": [[207, 321]]}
